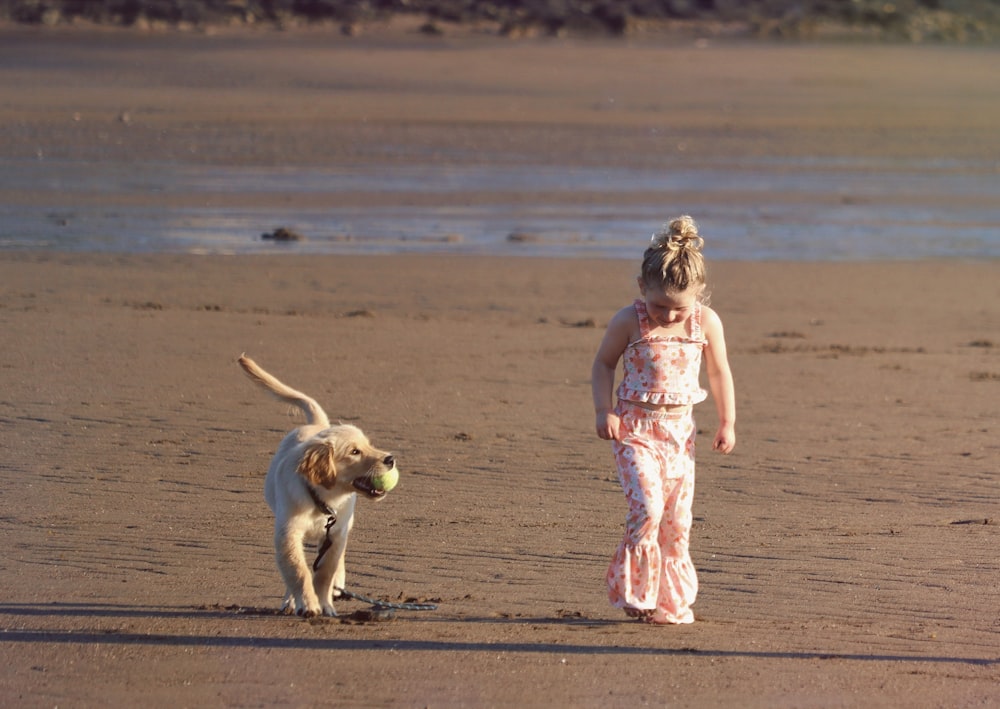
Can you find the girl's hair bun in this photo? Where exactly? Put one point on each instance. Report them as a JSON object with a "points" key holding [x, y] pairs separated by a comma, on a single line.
{"points": [[677, 234], [674, 260]]}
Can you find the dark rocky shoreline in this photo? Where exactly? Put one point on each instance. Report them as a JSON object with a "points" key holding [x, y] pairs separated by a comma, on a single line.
{"points": [[944, 21]]}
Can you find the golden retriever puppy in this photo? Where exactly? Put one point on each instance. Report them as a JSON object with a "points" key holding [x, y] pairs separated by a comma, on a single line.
{"points": [[311, 487]]}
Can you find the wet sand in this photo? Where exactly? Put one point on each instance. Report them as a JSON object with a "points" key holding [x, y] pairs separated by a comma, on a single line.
{"points": [[846, 550]]}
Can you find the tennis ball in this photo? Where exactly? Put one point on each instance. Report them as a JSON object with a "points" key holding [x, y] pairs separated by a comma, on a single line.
{"points": [[387, 480]]}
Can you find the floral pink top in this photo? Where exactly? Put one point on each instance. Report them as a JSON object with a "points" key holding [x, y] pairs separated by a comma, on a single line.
{"points": [[663, 370]]}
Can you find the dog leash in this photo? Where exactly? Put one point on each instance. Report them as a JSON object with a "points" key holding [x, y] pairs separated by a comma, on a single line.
{"points": [[386, 605], [331, 520]]}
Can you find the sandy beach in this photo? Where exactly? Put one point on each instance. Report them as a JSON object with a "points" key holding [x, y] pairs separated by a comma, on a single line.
{"points": [[846, 550]]}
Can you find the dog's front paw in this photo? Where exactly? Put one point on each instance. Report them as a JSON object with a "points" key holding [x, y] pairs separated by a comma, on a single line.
{"points": [[329, 610], [307, 609], [311, 611]]}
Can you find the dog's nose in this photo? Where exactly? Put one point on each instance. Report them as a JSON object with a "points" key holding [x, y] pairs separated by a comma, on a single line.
{"points": [[389, 460]]}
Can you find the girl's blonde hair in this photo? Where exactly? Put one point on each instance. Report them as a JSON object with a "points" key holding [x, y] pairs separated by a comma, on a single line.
{"points": [[673, 260]]}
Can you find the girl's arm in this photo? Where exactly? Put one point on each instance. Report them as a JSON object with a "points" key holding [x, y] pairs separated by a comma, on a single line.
{"points": [[602, 375], [720, 380]]}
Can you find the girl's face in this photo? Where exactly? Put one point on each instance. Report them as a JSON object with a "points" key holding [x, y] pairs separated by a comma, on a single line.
{"points": [[669, 308]]}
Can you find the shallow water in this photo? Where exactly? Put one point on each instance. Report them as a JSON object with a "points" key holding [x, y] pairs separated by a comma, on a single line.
{"points": [[795, 210]]}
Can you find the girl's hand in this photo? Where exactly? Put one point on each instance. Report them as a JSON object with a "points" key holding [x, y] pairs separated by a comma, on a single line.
{"points": [[607, 426], [725, 440]]}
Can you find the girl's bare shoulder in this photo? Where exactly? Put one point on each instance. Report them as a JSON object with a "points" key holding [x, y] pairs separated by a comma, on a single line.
{"points": [[711, 324], [625, 320], [710, 317], [623, 328], [626, 314]]}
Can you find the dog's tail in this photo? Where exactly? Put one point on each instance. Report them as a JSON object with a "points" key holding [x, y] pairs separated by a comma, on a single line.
{"points": [[314, 413]]}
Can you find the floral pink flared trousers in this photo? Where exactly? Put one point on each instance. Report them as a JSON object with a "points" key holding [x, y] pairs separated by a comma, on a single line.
{"points": [[652, 568]]}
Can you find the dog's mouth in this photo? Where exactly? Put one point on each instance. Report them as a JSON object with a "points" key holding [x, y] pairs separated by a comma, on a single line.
{"points": [[364, 485], [379, 480]]}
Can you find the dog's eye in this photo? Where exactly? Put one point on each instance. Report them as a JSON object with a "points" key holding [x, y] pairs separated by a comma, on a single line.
{"points": [[355, 451]]}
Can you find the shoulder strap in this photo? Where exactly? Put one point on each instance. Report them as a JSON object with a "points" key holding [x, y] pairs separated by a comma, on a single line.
{"points": [[640, 311], [696, 333]]}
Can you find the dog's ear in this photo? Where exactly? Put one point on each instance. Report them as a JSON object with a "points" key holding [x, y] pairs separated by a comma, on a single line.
{"points": [[318, 465]]}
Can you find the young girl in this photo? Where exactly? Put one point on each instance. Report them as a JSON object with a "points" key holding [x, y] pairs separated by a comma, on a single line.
{"points": [[661, 338]]}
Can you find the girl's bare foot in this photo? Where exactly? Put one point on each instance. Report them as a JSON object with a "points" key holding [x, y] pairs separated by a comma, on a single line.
{"points": [[655, 618], [643, 614]]}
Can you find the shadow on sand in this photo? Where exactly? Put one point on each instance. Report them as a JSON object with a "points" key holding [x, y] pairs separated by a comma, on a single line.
{"points": [[11, 636]]}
